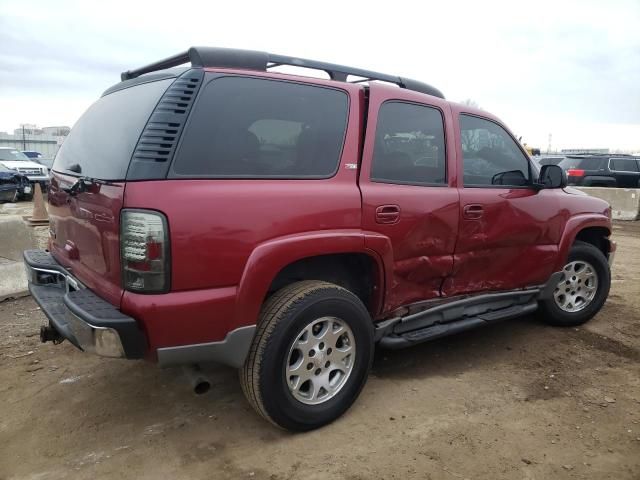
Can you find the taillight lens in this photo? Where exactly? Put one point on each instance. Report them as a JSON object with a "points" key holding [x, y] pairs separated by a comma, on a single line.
{"points": [[575, 172], [144, 251]]}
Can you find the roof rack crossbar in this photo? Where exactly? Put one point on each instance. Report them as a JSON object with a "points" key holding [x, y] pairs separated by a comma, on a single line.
{"points": [[261, 61]]}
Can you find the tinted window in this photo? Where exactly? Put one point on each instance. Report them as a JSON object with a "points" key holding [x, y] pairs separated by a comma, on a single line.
{"points": [[491, 156], [102, 141], [12, 155], [252, 128], [583, 163], [624, 164], [409, 145]]}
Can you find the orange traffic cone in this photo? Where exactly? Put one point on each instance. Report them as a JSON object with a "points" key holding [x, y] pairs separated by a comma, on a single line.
{"points": [[39, 215]]}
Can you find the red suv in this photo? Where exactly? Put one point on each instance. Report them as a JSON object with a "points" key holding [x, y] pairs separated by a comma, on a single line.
{"points": [[284, 225]]}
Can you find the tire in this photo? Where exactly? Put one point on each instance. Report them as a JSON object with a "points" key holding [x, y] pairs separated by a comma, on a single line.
{"points": [[551, 311], [285, 317]]}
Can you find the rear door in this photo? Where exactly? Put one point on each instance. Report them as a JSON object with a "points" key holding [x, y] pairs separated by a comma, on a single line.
{"points": [[84, 222], [408, 189], [626, 171], [509, 230]]}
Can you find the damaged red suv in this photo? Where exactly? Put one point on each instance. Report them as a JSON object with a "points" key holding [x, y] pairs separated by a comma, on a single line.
{"points": [[284, 225]]}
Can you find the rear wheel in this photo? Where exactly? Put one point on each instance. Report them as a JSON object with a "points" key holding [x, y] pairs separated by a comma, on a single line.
{"points": [[310, 357], [583, 289]]}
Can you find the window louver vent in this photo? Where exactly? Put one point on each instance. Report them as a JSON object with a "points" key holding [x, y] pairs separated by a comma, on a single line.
{"points": [[159, 138]]}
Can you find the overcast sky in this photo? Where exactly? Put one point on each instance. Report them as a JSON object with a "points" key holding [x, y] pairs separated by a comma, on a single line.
{"points": [[567, 68]]}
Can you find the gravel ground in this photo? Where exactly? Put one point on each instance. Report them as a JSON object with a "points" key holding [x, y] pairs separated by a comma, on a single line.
{"points": [[515, 400]]}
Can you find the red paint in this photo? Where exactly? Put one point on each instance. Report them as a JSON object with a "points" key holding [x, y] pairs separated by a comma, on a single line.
{"points": [[230, 238], [87, 228]]}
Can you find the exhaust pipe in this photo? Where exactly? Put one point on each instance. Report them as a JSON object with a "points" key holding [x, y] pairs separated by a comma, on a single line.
{"points": [[50, 334], [198, 381]]}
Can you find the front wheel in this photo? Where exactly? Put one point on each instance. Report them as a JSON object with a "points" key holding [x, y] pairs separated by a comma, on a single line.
{"points": [[583, 289], [310, 357]]}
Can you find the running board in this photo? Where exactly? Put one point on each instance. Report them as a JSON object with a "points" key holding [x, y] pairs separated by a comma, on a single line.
{"points": [[396, 340], [461, 314]]}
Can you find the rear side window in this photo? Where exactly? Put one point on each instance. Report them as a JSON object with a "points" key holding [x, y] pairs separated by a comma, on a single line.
{"points": [[254, 128], [409, 145], [102, 141], [583, 163], [491, 157], [624, 165]]}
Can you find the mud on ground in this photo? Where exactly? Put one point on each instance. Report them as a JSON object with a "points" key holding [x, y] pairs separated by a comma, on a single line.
{"points": [[517, 400]]}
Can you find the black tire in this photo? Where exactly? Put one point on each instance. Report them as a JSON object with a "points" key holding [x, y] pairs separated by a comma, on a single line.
{"points": [[282, 317], [552, 314]]}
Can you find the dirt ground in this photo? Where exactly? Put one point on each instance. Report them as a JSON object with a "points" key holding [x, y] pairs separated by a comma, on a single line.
{"points": [[518, 400]]}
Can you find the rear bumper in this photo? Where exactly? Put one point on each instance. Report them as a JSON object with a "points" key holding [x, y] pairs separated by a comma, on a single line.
{"points": [[79, 315]]}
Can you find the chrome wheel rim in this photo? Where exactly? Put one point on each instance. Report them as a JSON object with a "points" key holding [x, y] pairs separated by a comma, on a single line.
{"points": [[578, 286], [320, 360]]}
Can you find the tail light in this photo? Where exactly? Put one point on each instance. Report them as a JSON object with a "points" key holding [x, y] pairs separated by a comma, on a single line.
{"points": [[144, 251], [575, 172]]}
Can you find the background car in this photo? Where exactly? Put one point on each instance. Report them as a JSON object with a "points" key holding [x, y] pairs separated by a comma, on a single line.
{"points": [[32, 154], [19, 162], [602, 170], [39, 158], [548, 159], [14, 185]]}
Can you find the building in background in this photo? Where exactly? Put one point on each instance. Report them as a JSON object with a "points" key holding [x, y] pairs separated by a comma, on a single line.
{"points": [[29, 137], [574, 151]]}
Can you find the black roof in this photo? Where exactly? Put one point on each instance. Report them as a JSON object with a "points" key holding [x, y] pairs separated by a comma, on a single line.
{"points": [[256, 60]]}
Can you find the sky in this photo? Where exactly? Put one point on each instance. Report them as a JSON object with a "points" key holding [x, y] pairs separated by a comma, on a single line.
{"points": [[566, 68]]}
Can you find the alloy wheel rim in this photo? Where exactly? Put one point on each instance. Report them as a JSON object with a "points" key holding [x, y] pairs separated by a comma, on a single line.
{"points": [[578, 286], [320, 360]]}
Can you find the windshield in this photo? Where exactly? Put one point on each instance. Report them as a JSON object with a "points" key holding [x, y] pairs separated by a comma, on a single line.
{"points": [[12, 155]]}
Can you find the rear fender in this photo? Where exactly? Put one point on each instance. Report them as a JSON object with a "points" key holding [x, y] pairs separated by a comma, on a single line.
{"points": [[270, 257]]}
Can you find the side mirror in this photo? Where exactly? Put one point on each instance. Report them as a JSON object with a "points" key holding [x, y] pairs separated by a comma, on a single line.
{"points": [[512, 178], [552, 176]]}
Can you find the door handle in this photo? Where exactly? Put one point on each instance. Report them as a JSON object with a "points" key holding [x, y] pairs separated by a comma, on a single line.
{"points": [[473, 211], [387, 214]]}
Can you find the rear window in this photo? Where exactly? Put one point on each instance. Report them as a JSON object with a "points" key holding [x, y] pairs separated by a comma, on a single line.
{"points": [[254, 128], [583, 163], [101, 143]]}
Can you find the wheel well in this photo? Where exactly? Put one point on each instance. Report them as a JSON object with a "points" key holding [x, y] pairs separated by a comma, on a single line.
{"points": [[596, 236], [357, 272]]}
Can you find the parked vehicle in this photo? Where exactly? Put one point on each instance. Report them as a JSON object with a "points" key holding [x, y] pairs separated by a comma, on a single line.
{"points": [[602, 170], [9, 185], [15, 186], [284, 225], [39, 158], [548, 160], [32, 154], [19, 162]]}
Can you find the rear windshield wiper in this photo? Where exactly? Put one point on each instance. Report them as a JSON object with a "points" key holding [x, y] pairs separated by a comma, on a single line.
{"points": [[82, 184]]}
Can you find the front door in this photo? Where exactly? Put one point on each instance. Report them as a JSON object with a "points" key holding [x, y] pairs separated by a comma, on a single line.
{"points": [[408, 190], [509, 230]]}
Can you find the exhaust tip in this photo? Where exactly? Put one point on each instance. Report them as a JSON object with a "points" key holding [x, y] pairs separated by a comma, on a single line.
{"points": [[198, 381], [49, 334], [201, 387]]}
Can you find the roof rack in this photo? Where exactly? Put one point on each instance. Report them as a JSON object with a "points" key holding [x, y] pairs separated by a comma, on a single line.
{"points": [[255, 60]]}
